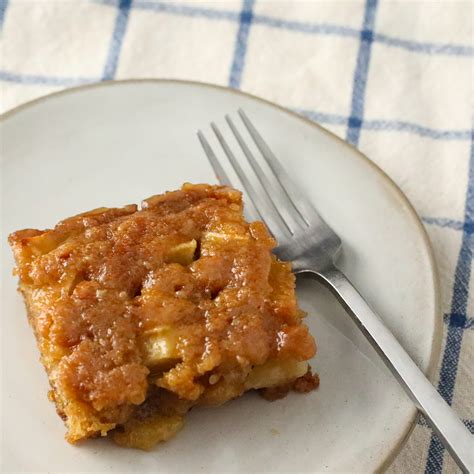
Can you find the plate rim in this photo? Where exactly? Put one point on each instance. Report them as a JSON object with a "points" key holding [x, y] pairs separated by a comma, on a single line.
{"points": [[436, 343]]}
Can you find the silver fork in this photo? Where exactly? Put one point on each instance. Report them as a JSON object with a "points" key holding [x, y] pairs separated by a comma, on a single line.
{"points": [[312, 247]]}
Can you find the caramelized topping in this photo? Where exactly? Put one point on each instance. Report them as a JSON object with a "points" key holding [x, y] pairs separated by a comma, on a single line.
{"points": [[178, 295]]}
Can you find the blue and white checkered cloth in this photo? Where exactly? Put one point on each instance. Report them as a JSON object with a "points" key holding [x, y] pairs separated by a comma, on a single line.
{"points": [[394, 78]]}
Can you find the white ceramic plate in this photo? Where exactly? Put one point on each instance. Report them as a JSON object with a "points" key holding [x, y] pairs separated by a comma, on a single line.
{"points": [[115, 143]]}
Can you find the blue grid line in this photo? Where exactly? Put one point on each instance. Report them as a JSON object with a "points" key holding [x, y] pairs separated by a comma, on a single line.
{"points": [[469, 217], [3, 10], [469, 227], [402, 126], [422, 47], [321, 117], [118, 34], [469, 424], [434, 463], [443, 222], [447, 379], [39, 79], [184, 10], [307, 28], [219, 14], [240, 50], [458, 320], [301, 27], [361, 73], [388, 125], [462, 275]]}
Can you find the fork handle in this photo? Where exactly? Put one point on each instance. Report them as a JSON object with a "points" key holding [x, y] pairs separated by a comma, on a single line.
{"points": [[440, 416]]}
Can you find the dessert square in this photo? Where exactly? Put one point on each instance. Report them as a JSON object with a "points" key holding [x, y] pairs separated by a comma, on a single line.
{"points": [[141, 314]]}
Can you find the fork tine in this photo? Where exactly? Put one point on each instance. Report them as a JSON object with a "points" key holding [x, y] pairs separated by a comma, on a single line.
{"points": [[263, 205], [214, 162], [222, 177], [305, 209], [273, 189]]}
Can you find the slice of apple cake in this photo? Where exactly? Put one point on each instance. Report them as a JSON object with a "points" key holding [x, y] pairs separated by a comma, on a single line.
{"points": [[141, 314]]}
